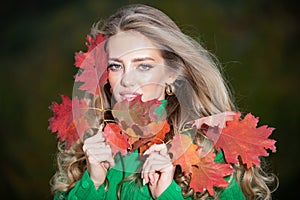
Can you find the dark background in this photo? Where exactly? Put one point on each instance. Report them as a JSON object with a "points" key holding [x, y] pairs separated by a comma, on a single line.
{"points": [[256, 41]]}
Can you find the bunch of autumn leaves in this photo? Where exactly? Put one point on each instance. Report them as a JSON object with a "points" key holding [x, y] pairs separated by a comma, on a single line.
{"points": [[138, 125]]}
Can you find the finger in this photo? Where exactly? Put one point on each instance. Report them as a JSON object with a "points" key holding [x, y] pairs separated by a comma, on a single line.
{"points": [[96, 138], [155, 148], [102, 155], [151, 178], [160, 167], [89, 150], [155, 158], [155, 178], [145, 178], [163, 173], [154, 162], [145, 172], [148, 178], [155, 165], [105, 165], [158, 156], [167, 168], [111, 161], [100, 145], [100, 158], [94, 146], [164, 151], [153, 169], [150, 150]]}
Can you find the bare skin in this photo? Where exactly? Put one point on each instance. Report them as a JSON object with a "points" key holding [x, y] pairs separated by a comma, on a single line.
{"points": [[136, 67], [99, 158]]}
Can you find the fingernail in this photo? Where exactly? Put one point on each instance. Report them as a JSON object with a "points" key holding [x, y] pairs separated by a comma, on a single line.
{"points": [[146, 152], [101, 127], [144, 182]]}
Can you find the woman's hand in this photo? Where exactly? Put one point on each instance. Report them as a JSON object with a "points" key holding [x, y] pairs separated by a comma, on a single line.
{"points": [[158, 169], [99, 158]]}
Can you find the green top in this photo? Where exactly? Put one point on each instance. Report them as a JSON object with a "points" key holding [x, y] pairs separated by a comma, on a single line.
{"points": [[85, 189]]}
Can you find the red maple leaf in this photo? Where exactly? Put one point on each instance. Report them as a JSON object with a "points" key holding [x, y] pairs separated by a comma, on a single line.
{"points": [[207, 174], [156, 132], [142, 122], [68, 120], [242, 138], [136, 111], [93, 64], [218, 120], [116, 139], [88, 57]]}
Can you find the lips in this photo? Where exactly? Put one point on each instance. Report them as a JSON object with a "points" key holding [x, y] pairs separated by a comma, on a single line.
{"points": [[129, 96]]}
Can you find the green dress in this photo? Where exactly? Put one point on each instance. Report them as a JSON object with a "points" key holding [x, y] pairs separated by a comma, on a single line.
{"points": [[85, 189]]}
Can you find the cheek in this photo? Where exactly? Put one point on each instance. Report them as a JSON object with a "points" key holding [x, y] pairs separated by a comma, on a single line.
{"points": [[152, 88], [153, 85], [152, 91], [114, 80], [157, 77]]}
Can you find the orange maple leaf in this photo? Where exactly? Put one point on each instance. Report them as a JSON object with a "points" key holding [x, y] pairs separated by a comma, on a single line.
{"points": [[184, 152], [242, 138], [207, 174]]}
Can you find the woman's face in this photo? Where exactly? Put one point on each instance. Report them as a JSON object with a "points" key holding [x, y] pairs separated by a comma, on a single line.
{"points": [[136, 67]]}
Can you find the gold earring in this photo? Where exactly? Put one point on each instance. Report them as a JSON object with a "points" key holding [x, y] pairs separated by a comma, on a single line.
{"points": [[170, 89]]}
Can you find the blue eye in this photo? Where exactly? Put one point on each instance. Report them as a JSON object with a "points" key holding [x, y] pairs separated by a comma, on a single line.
{"points": [[145, 67], [114, 67]]}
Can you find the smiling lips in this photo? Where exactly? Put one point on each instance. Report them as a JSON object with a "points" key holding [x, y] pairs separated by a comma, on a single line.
{"points": [[129, 96]]}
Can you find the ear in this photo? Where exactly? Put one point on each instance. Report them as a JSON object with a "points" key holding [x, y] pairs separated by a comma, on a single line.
{"points": [[171, 78]]}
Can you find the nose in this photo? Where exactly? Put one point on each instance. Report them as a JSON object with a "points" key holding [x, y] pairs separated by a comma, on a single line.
{"points": [[128, 79]]}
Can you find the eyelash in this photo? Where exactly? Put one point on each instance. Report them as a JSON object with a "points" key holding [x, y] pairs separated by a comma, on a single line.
{"points": [[116, 67], [145, 65], [112, 67]]}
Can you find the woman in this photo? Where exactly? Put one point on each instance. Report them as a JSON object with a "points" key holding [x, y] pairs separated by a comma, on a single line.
{"points": [[149, 57]]}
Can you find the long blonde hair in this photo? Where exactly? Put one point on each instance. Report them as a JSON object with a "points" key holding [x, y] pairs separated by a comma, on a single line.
{"points": [[200, 90]]}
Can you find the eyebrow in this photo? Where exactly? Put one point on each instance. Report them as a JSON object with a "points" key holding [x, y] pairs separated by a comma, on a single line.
{"points": [[134, 60]]}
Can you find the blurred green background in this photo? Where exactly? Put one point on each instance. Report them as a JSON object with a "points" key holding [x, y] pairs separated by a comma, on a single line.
{"points": [[256, 41]]}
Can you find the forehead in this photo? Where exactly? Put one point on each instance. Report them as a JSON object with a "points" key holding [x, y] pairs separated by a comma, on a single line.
{"points": [[130, 43]]}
